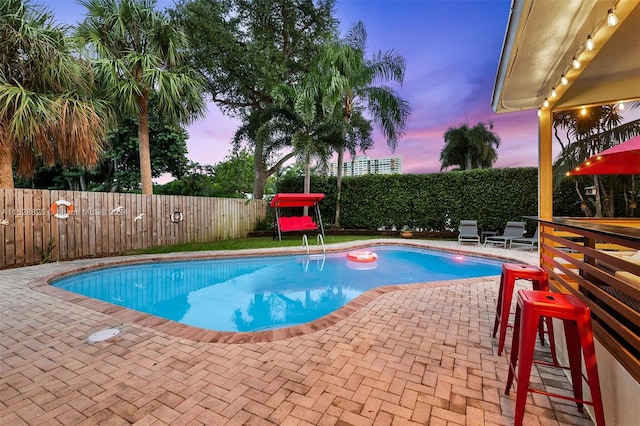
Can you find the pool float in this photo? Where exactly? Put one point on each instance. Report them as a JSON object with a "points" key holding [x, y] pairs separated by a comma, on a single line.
{"points": [[362, 256]]}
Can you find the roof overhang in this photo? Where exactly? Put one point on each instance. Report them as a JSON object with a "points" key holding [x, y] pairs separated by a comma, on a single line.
{"points": [[543, 37]]}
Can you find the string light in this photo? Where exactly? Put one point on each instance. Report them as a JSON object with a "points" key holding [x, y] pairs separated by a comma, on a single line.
{"points": [[590, 44], [612, 19], [564, 80], [576, 63], [539, 112]]}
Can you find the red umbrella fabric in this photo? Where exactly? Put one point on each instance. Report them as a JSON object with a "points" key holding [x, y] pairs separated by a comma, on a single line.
{"points": [[622, 159]]}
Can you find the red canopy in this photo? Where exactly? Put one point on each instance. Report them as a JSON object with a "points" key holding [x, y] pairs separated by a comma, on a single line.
{"points": [[622, 159], [295, 200]]}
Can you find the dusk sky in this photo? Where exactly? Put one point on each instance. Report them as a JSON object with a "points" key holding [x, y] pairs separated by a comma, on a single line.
{"points": [[452, 50]]}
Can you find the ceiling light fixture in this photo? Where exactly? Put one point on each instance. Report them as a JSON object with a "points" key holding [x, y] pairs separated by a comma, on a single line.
{"points": [[583, 111], [545, 103], [590, 43], [576, 63], [620, 106], [612, 19], [553, 92], [539, 112]]}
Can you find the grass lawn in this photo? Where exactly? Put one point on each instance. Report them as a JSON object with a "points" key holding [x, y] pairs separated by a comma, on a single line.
{"points": [[253, 243]]}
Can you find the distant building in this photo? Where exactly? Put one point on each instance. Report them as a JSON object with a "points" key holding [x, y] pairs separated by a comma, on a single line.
{"points": [[363, 165]]}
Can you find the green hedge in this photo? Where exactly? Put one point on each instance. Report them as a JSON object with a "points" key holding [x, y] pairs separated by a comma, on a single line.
{"points": [[433, 202]]}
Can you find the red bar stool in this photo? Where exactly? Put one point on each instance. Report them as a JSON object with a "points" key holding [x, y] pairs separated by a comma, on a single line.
{"points": [[540, 281], [576, 317]]}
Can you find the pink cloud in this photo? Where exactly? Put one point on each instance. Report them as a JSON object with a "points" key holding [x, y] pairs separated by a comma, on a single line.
{"points": [[210, 138]]}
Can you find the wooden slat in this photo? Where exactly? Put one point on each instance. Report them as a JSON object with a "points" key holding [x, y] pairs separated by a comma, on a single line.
{"points": [[4, 217], [127, 222], [27, 216], [157, 223], [92, 227], [19, 228], [152, 221], [84, 216], [581, 272], [40, 211], [119, 219], [102, 233], [75, 222], [8, 230]]}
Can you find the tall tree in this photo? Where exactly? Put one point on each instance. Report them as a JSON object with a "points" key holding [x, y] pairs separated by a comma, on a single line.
{"points": [[485, 142], [470, 148], [233, 177], [456, 148], [351, 84], [310, 139], [197, 182], [245, 48], [138, 53], [119, 168], [47, 112], [167, 152]]}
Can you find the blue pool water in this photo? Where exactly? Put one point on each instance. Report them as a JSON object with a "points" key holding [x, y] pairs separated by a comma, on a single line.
{"points": [[261, 293]]}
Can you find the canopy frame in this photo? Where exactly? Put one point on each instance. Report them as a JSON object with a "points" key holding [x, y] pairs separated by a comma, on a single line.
{"points": [[296, 223]]}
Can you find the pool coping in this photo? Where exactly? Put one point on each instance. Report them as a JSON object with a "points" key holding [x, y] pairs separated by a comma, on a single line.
{"points": [[43, 285]]}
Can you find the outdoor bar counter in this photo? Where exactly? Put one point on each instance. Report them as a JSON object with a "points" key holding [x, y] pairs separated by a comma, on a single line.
{"points": [[598, 260], [624, 229]]}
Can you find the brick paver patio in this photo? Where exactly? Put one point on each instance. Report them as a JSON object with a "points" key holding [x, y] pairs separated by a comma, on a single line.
{"points": [[420, 354]]}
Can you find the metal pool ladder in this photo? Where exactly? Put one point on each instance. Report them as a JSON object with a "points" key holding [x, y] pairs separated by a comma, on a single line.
{"points": [[320, 243], [320, 257]]}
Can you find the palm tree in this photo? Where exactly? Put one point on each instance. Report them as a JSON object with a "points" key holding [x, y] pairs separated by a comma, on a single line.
{"points": [[139, 52], [485, 142], [317, 130], [301, 100], [46, 110], [469, 148], [349, 81], [456, 148]]}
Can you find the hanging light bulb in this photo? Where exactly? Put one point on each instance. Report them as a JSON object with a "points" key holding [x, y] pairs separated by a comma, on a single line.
{"points": [[612, 19], [620, 106], [583, 111], [539, 112], [553, 93], [564, 80], [545, 103], [590, 44], [576, 63]]}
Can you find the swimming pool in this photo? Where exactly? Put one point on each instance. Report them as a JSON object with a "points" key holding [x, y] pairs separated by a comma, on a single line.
{"points": [[264, 293]]}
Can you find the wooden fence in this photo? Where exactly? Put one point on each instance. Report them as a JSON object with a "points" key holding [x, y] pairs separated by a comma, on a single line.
{"points": [[94, 224]]}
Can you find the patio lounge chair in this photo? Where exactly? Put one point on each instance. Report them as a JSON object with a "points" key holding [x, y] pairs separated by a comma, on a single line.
{"points": [[468, 232], [511, 231], [530, 242]]}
